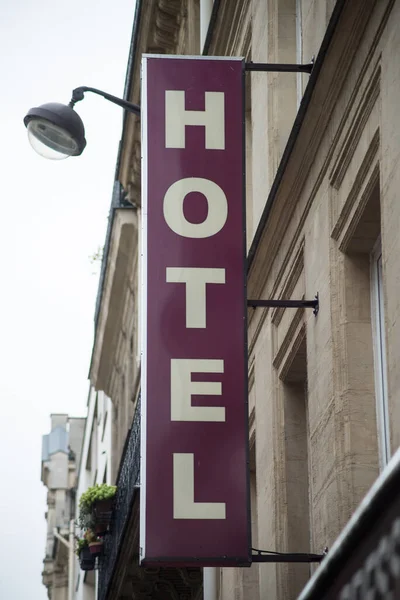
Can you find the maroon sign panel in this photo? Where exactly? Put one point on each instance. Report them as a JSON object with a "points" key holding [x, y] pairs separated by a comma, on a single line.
{"points": [[194, 487]]}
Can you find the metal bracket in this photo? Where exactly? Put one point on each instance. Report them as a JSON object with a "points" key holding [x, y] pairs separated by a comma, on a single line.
{"points": [[79, 93], [285, 557], [286, 304], [280, 67]]}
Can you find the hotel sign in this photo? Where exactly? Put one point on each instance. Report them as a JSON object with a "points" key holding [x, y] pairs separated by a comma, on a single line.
{"points": [[194, 488]]}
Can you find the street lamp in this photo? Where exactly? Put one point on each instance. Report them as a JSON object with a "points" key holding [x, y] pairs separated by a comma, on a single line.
{"points": [[56, 131]]}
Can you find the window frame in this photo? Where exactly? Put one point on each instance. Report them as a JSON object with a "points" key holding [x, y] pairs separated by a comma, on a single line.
{"points": [[299, 51], [379, 353]]}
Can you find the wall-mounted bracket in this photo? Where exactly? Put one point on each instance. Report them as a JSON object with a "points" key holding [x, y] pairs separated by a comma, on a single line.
{"points": [[285, 557], [280, 67], [286, 304]]}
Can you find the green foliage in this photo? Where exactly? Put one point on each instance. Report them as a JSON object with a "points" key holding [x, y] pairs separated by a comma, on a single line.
{"points": [[85, 520], [98, 255], [93, 494], [96, 259]]}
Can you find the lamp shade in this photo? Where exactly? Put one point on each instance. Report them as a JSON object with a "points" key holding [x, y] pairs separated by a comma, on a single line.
{"points": [[55, 131]]}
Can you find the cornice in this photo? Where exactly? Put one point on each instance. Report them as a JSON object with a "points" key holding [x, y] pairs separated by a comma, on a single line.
{"points": [[163, 29], [160, 32], [235, 39], [370, 160], [357, 125]]}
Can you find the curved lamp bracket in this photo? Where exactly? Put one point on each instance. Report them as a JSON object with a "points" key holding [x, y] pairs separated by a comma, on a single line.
{"points": [[78, 95]]}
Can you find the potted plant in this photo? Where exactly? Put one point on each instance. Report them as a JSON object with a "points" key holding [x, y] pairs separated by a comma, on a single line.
{"points": [[86, 559], [94, 542], [97, 504], [104, 502], [85, 520]]}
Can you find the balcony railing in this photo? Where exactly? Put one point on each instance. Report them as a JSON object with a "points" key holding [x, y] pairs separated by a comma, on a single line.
{"points": [[128, 482]]}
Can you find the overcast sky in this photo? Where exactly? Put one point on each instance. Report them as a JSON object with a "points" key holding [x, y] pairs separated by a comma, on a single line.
{"points": [[53, 217]]}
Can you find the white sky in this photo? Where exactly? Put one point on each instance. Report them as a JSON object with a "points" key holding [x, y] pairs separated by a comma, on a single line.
{"points": [[53, 217]]}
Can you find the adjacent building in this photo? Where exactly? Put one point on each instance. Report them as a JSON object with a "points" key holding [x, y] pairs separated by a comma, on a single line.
{"points": [[95, 466], [323, 217], [61, 452]]}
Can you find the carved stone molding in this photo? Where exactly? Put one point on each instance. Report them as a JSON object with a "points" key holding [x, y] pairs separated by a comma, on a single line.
{"points": [[284, 286], [292, 277], [51, 499], [232, 30], [359, 203], [292, 353], [365, 180], [252, 409], [160, 32], [167, 20], [252, 428], [60, 579], [164, 29], [288, 341], [356, 128], [121, 261]]}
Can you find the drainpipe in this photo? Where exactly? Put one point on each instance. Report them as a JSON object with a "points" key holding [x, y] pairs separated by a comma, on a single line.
{"points": [[71, 560], [210, 583], [205, 16], [70, 546]]}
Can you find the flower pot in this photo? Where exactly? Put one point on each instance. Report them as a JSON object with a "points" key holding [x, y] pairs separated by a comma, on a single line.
{"points": [[102, 511], [96, 548], [101, 529], [86, 559]]}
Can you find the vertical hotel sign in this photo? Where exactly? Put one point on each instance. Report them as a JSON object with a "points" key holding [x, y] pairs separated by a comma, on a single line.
{"points": [[194, 488]]}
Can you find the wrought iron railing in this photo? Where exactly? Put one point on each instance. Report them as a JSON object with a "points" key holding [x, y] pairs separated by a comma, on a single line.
{"points": [[128, 481]]}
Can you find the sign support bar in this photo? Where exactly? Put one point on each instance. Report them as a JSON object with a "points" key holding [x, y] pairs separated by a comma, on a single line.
{"points": [[280, 67], [286, 557], [286, 304]]}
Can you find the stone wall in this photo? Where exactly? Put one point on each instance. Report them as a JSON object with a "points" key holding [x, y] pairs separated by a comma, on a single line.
{"points": [[322, 228]]}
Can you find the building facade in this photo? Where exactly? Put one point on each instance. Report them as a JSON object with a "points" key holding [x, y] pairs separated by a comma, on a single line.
{"points": [[61, 451], [95, 467], [322, 219]]}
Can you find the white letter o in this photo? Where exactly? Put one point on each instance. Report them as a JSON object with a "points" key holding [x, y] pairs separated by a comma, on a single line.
{"points": [[217, 207]]}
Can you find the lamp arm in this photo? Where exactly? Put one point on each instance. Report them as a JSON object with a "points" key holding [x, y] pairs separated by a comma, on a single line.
{"points": [[78, 94]]}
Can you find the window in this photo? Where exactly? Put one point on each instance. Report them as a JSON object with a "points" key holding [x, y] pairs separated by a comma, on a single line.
{"points": [[104, 426], [363, 320], [296, 463], [379, 349], [299, 49]]}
